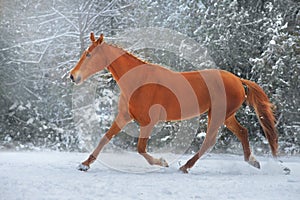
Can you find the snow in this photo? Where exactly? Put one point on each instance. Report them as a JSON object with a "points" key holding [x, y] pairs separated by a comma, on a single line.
{"points": [[53, 175], [273, 42]]}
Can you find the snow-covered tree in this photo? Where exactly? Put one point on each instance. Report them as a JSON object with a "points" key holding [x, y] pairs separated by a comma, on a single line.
{"points": [[42, 41], [258, 40]]}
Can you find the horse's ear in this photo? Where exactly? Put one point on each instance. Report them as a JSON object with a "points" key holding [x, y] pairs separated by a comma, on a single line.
{"points": [[92, 37], [100, 39]]}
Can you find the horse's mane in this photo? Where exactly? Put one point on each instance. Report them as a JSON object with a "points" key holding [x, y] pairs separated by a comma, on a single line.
{"points": [[128, 53]]}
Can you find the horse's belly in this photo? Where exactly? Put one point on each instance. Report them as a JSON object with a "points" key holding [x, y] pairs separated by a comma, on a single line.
{"points": [[154, 102]]}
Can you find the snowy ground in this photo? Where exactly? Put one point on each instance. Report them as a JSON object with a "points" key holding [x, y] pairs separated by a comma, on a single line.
{"points": [[53, 175]]}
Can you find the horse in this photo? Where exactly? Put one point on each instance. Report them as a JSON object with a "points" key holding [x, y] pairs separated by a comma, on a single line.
{"points": [[150, 93]]}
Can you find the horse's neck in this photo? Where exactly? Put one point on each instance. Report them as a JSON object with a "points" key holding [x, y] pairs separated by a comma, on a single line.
{"points": [[123, 62]]}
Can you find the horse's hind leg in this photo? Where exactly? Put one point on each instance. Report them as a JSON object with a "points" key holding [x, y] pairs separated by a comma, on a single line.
{"points": [[208, 143], [142, 144], [242, 134]]}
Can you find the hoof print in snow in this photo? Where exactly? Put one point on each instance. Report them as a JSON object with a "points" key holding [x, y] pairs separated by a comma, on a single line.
{"points": [[83, 167]]}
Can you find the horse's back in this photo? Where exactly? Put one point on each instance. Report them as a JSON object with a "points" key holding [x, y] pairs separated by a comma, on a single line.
{"points": [[227, 82]]}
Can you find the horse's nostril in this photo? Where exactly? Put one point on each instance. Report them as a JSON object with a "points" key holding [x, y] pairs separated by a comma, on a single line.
{"points": [[71, 77]]}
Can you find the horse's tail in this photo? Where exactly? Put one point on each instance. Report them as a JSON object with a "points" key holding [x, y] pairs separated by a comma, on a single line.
{"points": [[257, 98]]}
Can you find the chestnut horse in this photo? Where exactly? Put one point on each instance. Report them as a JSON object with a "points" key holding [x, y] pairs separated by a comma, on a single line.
{"points": [[152, 93]]}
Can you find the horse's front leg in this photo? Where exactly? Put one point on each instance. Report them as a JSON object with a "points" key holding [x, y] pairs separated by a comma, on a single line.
{"points": [[117, 125], [142, 144]]}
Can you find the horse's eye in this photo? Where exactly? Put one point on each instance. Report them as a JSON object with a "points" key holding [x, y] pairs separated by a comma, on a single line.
{"points": [[88, 54]]}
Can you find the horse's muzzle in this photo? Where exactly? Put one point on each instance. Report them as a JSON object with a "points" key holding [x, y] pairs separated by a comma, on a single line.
{"points": [[75, 80]]}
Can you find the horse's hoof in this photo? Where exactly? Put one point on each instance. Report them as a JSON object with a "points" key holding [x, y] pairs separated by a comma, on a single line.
{"points": [[83, 167], [254, 164], [252, 161], [286, 171], [184, 170], [163, 162]]}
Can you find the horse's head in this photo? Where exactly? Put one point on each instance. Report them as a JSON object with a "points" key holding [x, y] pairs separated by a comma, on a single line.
{"points": [[92, 60]]}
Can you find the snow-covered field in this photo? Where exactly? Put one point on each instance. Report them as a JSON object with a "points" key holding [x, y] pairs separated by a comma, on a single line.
{"points": [[53, 175]]}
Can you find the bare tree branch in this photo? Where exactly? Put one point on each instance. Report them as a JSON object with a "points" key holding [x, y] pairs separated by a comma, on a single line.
{"points": [[67, 19]]}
